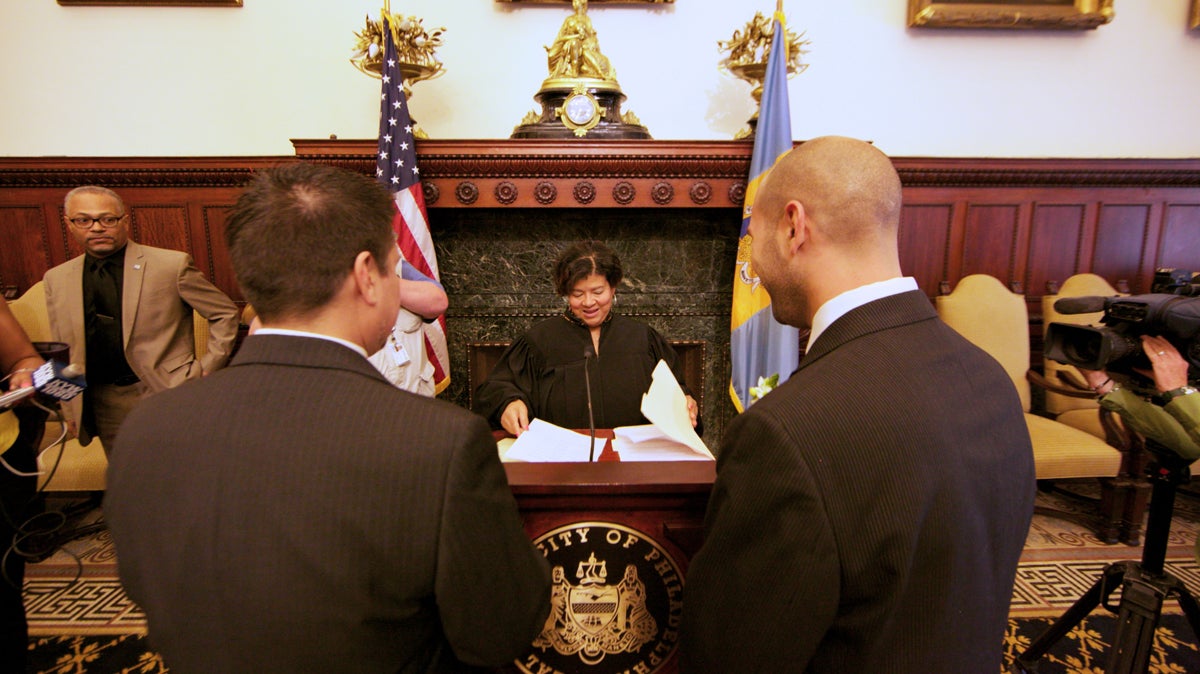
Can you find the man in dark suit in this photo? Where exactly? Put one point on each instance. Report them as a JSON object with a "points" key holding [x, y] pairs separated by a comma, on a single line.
{"points": [[303, 514], [869, 513], [126, 312]]}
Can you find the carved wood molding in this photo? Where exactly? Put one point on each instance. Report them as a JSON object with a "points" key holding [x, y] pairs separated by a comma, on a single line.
{"points": [[538, 173], [118, 172], [1084, 173]]}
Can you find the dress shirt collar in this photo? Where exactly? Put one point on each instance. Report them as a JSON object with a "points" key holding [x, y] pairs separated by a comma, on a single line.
{"points": [[314, 335], [852, 299], [117, 258]]}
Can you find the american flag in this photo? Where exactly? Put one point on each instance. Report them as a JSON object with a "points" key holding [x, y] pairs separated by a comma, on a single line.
{"points": [[396, 169]]}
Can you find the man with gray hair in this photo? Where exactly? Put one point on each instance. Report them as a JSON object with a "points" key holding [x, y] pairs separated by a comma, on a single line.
{"points": [[126, 312]]}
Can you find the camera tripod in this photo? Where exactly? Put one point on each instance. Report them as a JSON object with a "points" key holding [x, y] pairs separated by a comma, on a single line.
{"points": [[1144, 586]]}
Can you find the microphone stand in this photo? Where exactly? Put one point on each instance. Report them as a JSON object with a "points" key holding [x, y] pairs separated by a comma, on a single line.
{"points": [[587, 381]]}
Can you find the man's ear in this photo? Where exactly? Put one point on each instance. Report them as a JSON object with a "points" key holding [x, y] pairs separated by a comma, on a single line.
{"points": [[797, 222], [366, 277]]}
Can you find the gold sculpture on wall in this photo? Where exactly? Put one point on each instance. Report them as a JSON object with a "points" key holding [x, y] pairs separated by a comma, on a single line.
{"points": [[747, 53], [415, 48], [580, 96]]}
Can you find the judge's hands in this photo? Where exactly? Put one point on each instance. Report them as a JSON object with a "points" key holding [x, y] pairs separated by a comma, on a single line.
{"points": [[515, 418], [693, 410]]}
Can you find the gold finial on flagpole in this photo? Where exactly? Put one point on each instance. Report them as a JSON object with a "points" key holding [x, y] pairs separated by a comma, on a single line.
{"points": [[747, 54]]}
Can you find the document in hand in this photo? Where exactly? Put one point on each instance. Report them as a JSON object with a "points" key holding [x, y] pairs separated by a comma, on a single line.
{"points": [[670, 435]]}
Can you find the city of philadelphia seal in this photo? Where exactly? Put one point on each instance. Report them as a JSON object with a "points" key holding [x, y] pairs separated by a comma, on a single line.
{"points": [[616, 600]]}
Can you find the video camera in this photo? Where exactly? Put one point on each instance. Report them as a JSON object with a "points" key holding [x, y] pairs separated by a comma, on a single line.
{"points": [[1172, 310]]}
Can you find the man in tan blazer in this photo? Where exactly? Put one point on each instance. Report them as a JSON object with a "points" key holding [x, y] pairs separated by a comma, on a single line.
{"points": [[126, 311]]}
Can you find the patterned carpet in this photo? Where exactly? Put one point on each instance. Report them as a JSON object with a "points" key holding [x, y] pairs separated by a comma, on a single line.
{"points": [[82, 623]]}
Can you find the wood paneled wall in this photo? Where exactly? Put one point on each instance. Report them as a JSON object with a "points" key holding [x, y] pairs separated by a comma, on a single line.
{"points": [[1024, 221]]}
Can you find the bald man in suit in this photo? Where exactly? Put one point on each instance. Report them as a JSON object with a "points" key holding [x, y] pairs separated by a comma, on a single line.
{"points": [[868, 514], [126, 311]]}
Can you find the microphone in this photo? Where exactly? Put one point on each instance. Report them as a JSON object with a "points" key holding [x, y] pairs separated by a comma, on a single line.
{"points": [[1081, 305], [588, 353], [52, 379]]}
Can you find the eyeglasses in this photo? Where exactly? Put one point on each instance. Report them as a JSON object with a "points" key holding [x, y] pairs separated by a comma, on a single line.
{"points": [[85, 222]]}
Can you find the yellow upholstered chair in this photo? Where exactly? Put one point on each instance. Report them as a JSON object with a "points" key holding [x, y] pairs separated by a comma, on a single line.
{"points": [[996, 320], [1070, 410], [81, 468]]}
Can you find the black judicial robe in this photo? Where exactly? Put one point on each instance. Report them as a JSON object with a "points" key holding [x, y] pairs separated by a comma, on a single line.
{"points": [[545, 368]]}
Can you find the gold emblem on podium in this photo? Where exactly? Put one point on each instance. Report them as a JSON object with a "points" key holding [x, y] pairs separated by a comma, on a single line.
{"points": [[616, 599]]}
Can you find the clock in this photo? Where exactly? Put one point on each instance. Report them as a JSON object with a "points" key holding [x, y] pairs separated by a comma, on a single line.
{"points": [[580, 111]]}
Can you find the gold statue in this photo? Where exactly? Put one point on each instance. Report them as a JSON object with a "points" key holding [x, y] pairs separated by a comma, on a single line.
{"points": [[580, 95], [748, 51], [575, 52]]}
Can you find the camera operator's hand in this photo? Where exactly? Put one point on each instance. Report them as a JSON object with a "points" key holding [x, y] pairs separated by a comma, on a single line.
{"points": [[1170, 369], [1097, 380]]}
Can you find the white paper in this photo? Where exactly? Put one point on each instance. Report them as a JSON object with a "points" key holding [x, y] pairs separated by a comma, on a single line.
{"points": [[649, 443], [546, 442], [666, 407], [669, 437]]}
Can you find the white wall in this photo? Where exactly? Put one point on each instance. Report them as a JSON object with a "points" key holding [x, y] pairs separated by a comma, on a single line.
{"points": [[125, 81]]}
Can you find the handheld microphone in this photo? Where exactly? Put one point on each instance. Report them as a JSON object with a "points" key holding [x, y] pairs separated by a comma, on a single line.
{"points": [[1081, 305], [587, 381], [52, 379]]}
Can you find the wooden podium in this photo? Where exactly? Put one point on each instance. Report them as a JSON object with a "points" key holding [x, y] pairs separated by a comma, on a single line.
{"points": [[618, 537]]}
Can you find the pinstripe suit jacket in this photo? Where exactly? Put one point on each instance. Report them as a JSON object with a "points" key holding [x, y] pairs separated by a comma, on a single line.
{"points": [[869, 513], [307, 516], [161, 287]]}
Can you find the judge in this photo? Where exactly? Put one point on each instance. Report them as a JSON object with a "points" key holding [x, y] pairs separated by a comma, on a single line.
{"points": [[542, 374]]}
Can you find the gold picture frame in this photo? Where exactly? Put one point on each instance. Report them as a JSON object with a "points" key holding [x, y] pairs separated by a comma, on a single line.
{"points": [[590, 2], [1194, 21], [1043, 14], [150, 3]]}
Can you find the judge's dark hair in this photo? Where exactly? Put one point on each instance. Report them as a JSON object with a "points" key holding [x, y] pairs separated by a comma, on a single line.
{"points": [[295, 232], [580, 260]]}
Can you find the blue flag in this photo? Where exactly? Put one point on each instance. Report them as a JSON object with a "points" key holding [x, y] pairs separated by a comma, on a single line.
{"points": [[762, 351]]}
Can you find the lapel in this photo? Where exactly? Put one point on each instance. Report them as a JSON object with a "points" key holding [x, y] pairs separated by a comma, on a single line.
{"points": [[881, 314], [131, 289], [74, 310]]}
